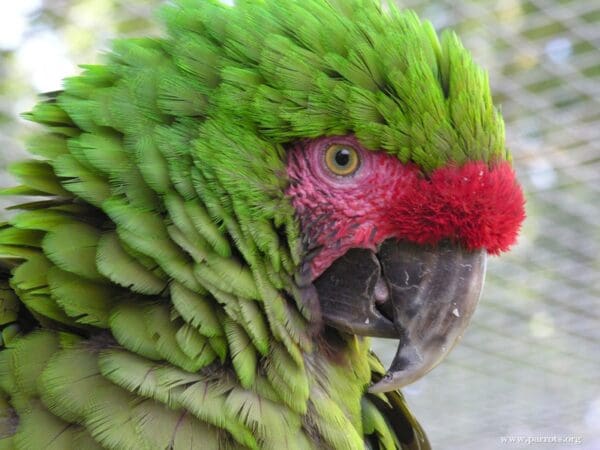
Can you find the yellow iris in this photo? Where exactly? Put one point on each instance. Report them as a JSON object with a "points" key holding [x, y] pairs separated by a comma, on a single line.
{"points": [[342, 160]]}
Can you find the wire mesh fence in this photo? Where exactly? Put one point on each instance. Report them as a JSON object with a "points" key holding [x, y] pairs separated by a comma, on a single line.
{"points": [[528, 370]]}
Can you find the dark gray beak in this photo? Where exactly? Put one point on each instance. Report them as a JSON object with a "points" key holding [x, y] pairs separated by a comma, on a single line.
{"points": [[422, 295]]}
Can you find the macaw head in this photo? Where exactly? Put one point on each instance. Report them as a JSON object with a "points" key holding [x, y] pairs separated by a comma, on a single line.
{"points": [[396, 252], [373, 148]]}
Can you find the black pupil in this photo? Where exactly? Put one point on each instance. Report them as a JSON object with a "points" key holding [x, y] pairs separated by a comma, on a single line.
{"points": [[342, 157]]}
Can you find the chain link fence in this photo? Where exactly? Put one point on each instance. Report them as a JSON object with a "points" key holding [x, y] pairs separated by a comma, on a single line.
{"points": [[527, 373]]}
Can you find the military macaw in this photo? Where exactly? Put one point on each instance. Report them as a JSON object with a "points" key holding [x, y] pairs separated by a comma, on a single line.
{"points": [[228, 212]]}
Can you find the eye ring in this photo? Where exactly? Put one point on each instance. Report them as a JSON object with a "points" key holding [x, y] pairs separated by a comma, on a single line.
{"points": [[342, 160]]}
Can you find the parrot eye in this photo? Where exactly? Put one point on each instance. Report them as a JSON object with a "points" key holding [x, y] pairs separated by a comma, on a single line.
{"points": [[342, 160]]}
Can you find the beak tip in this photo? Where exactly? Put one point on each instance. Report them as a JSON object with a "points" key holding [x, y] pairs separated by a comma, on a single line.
{"points": [[392, 381], [377, 388]]}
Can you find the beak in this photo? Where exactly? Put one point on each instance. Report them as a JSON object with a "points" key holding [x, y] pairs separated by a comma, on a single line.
{"points": [[422, 295]]}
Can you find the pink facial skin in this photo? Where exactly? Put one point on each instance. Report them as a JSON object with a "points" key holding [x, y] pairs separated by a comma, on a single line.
{"points": [[475, 205]]}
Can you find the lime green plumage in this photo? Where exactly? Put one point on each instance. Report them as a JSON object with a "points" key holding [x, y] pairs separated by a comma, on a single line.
{"points": [[152, 301]]}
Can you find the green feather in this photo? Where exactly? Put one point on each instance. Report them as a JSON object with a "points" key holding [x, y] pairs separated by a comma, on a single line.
{"points": [[165, 428], [196, 310], [143, 377], [181, 96], [86, 301], [68, 382], [22, 190], [47, 146], [173, 142], [255, 324], [334, 426], [243, 353], [103, 153], [206, 227], [163, 332], [40, 429], [195, 346], [220, 347], [289, 380], [50, 114], [31, 284], [26, 369], [228, 275], [125, 270], [152, 164], [110, 419], [129, 329], [8, 333], [81, 180], [375, 423], [207, 401], [15, 236], [77, 256], [146, 232], [263, 417], [38, 175], [44, 220]]}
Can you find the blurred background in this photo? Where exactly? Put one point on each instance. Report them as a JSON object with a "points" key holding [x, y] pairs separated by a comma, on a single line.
{"points": [[529, 366]]}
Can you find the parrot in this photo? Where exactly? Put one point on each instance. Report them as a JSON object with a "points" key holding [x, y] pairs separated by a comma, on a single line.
{"points": [[216, 221]]}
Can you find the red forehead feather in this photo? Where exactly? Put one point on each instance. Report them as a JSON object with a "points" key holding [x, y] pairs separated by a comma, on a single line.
{"points": [[478, 206]]}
